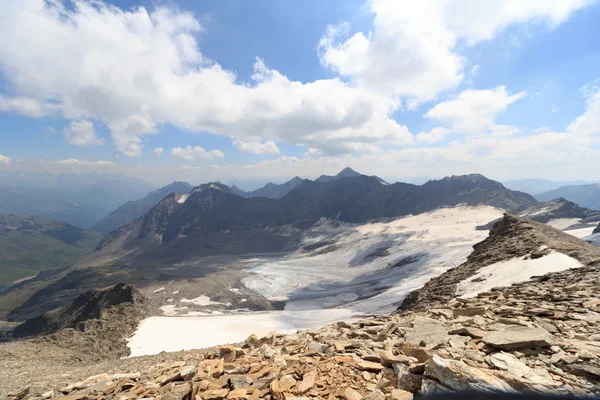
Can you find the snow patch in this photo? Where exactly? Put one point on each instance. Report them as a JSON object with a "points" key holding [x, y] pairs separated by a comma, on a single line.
{"points": [[581, 232], [183, 198], [515, 270], [159, 290], [206, 331], [563, 223], [201, 301], [172, 310]]}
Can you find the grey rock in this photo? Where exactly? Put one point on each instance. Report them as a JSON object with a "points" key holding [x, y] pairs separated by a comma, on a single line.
{"points": [[518, 337]]}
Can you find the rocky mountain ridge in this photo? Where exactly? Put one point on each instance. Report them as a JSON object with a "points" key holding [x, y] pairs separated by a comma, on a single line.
{"points": [[132, 210], [214, 208]]}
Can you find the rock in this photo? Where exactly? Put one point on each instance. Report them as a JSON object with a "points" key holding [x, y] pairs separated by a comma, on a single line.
{"points": [[399, 394], [593, 304], [227, 353], [388, 359], [20, 394], [467, 312], [187, 373], [215, 394], [375, 395], [47, 395], [369, 366], [459, 376], [351, 394], [468, 331], [238, 394], [419, 353], [430, 386], [427, 333], [308, 382], [518, 337], [511, 364], [406, 379]]}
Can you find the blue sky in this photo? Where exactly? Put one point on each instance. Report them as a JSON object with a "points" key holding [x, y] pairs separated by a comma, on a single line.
{"points": [[229, 89]]}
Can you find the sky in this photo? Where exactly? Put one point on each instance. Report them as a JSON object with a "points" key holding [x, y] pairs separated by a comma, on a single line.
{"points": [[227, 89]]}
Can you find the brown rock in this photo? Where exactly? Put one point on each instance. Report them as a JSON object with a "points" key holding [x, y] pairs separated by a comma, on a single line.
{"points": [[399, 394], [308, 382], [215, 394], [351, 394], [468, 331], [388, 359], [369, 366], [407, 380], [227, 353], [238, 394]]}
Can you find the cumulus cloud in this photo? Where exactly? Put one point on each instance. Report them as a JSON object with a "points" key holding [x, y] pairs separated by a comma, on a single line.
{"points": [[412, 51], [433, 136], [256, 147], [4, 160], [169, 81], [190, 153], [474, 111], [158, 152], [82, 133]]}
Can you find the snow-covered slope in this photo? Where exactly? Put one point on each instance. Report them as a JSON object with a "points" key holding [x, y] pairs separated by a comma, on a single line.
{"points": [[340, 272]]}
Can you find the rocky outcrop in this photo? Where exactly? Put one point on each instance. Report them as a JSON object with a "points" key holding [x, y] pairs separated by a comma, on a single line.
{"points": [[91, 305], [535, 337], [597, 230], [556, 209], [510, 237]]}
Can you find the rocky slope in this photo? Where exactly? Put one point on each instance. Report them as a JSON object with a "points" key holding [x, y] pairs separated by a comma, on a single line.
{"points": [[509, 238], [535, 337], [132, 210], [538, 336]]}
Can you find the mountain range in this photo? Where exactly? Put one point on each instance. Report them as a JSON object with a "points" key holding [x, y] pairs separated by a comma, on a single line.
{"points": [[537, 186], [212, 218], [29, 244], [132, 210], [584, 195], [78, 200]]}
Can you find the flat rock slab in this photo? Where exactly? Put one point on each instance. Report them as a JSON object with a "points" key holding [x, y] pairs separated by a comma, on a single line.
{"points": [[518, 337]]}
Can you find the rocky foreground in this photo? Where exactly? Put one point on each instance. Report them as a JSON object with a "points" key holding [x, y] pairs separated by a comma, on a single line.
{"points": [[540, 336]]}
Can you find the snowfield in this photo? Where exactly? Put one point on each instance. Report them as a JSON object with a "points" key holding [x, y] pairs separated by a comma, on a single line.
{"points": [[343, 271], [516, 270], [340, 272]]}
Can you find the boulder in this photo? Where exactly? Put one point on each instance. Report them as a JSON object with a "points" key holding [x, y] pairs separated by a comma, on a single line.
{"points": [[518, 337], [459, 376], [427, 333]]}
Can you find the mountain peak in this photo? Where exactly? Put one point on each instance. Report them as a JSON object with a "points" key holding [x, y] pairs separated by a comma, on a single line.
{"points": [[214, 186], [347, 172]]}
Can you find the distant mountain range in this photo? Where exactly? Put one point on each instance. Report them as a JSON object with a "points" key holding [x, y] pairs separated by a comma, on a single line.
{"points": [[29, 244], [584, 195], [270, 190], [213, 216], [131, 210], [536, 186], [71, 198]]}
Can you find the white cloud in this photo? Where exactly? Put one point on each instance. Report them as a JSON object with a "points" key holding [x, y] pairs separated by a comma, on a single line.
{"points": [[433, 136], [588, 124], [412, 51], [473, 111], [76, 162], [4, 160], [135, 70], [82, 133], [158, 152], [190, 153], [256, 147], [27, 106]]}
